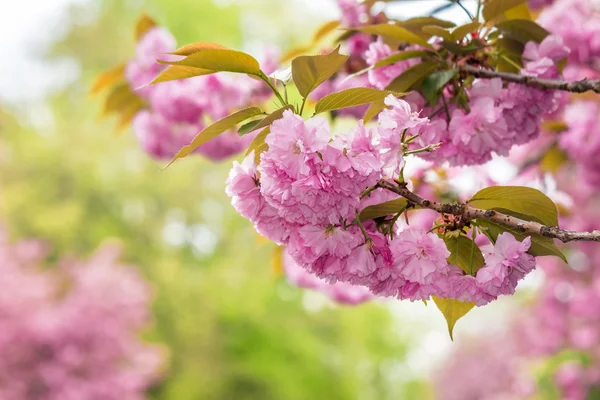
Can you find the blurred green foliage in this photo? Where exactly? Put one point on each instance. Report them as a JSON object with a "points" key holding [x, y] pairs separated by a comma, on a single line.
{"points": [[234, 329]]}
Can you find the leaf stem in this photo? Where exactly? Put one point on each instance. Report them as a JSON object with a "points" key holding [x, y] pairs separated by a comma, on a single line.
{"points": [[273, 88]]}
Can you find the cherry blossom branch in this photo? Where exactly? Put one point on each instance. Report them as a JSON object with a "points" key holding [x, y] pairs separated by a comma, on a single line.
{"points": [[470, 213], [582, 86]]}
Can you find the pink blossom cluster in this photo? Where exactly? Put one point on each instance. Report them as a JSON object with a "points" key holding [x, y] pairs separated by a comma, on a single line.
{"points": [[578, 23], [71, 333], [500, 116], [339, 292], [178, 110], [306, 193], [581, 140]]}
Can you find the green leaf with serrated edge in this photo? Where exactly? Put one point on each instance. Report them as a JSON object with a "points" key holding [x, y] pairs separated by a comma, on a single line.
{"points": [[258, 145], [395, 32], [463, 30], [415, 24], [324, 30], [496, 8], [384, 209], [452, 310], [412, 76], [350, 98], [464, 253], [192, 48], [373, 110], [309, 72], [215, 129], [434, 83], [540, 245], [522, 30], [178, 72], [405, 55], [519, 199], [220, 60], [248, 127], [144, 24], [438, 31], [269, 119]]}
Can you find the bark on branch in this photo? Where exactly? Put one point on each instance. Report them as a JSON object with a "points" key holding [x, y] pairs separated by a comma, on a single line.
{"points": [[582, 86], [470, 213]]}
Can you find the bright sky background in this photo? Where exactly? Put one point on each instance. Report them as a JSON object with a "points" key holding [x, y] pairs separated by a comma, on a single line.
{"points": [[28, 27]]}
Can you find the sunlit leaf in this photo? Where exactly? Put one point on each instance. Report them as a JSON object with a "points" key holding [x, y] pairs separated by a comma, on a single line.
{"points": [[144, 24], [324, 30], [521, 201], [412, 76], [215, 129], [196, 47], [553, 159], [433, 84], [540, 245], [434, 30], [269, 119], [464, 253], [220, 60], [108, 79], [309, 72], [248, 127], [177, 72], [119, 97], [130, 111], [395, 32], [373, 110], [405, 55], [258, 145], [417, 23], [522, 30], [384, 209], [519, 12], [350, 98], [452, 310], [463, 30], [495, 8]]}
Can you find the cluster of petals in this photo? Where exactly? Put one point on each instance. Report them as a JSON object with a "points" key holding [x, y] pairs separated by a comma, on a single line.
{"points": [[178, 110], [306, 192], [500, 116], [71, 332]]}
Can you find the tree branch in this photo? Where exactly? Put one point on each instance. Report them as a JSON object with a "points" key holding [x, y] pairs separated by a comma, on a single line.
{"points": [[470, 213], [582, 86]]}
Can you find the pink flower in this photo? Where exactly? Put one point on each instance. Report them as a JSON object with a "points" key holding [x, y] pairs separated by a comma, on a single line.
{"points": [[419, 257], [244, 189]]}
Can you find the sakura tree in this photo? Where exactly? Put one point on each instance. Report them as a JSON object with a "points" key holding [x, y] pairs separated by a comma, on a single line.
{"points": [[375, 206]]}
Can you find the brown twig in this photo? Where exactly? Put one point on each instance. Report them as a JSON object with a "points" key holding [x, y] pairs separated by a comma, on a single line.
{"points": [[470, 213], [582, 86]]}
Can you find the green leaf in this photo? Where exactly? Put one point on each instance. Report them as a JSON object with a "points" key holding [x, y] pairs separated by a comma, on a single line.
{"points": [[373, 110], [452, 310], [520, 201], [495, 8], [540, 245], [309, 72], [434, 30], [412, 76], [144, 24], [384, 209], [215, 129], [513, 50], [269, 119], [350, 98], [463, 30], [177, 72], [220, 60], [553, 159], [258, 145], [248, 127], [416, 24], [324, 30], [405, 55], [519, 12], [118, 99], [192, 48], [522, 30], [434, 83], [395, 32], [464, 253]]}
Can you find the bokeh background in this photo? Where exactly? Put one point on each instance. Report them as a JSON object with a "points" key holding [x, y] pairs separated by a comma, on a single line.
{"points": [[231, 325]]}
